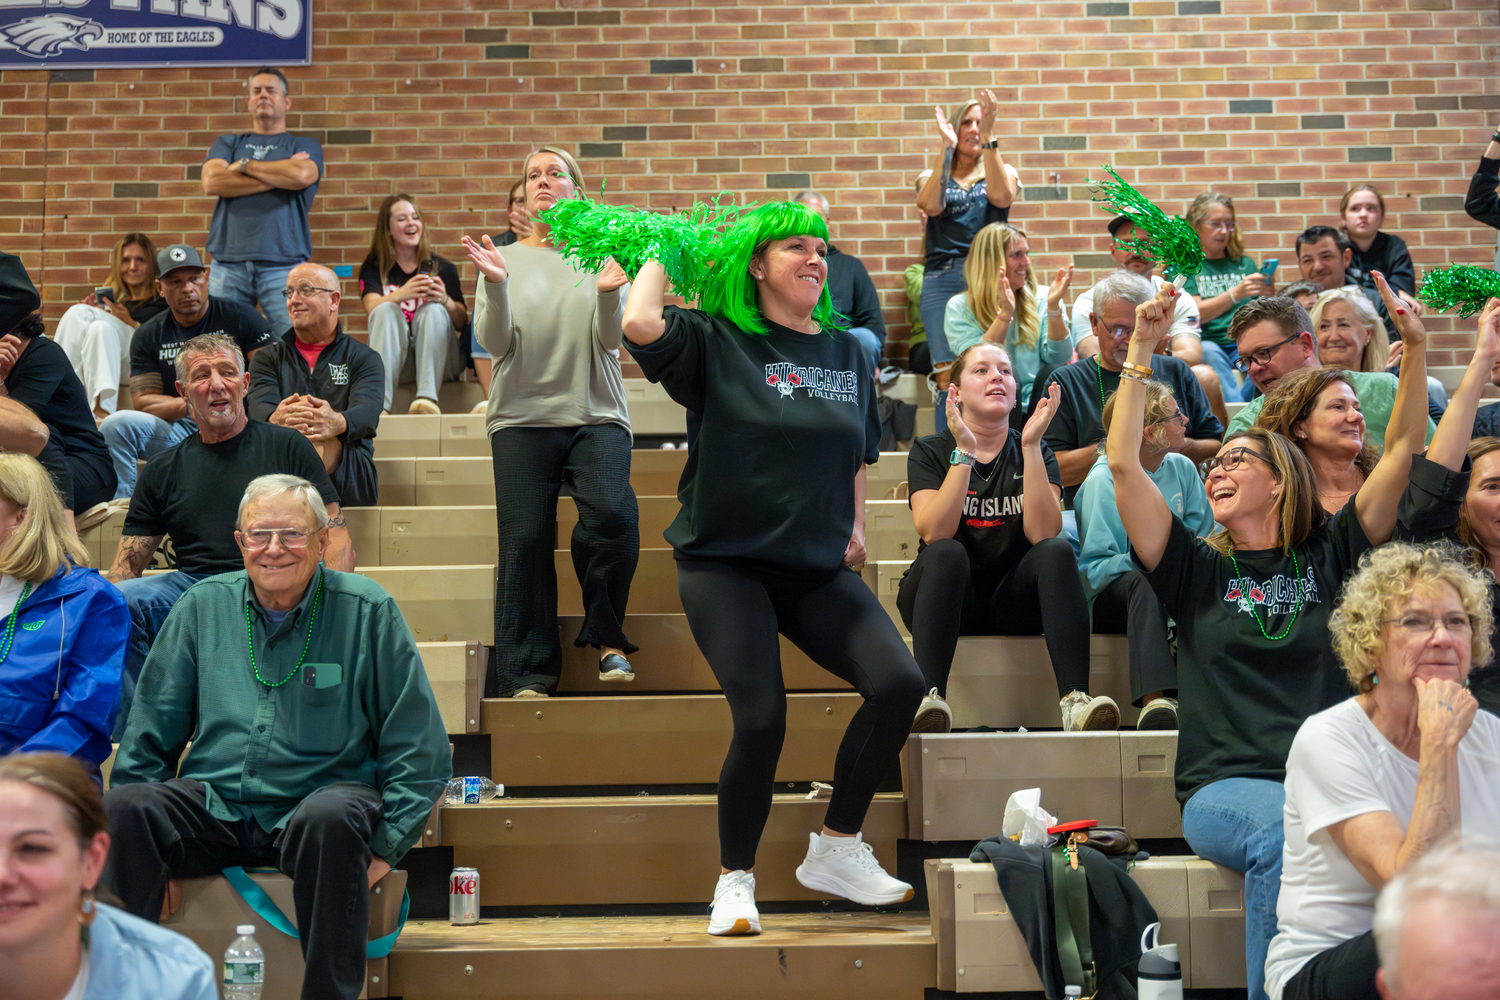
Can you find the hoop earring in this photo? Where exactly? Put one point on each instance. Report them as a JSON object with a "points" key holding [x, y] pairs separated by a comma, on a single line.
{"points": [[88, 909]]}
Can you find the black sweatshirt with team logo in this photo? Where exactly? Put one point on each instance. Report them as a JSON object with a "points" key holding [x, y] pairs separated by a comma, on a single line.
{"points": [[778, 427]]}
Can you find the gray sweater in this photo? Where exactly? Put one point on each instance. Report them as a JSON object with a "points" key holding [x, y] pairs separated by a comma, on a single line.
{"points": [[555, 339]]}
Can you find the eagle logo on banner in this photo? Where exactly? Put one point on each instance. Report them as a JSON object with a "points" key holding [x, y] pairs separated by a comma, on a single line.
{"points": [[47, 35]]}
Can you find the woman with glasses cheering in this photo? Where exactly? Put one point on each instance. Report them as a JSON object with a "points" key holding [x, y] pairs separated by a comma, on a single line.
{"points": [[1252, 604]]}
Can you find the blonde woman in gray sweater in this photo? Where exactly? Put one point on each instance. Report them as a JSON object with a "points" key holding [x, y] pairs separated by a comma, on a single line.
{"points": [[556, 415]]}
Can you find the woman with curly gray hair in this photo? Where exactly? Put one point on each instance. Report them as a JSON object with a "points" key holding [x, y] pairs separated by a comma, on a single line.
{"points": [[1381, 779]]}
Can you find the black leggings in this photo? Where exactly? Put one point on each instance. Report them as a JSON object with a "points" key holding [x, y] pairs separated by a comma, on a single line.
{"points": [[1129, 607], [531, 464], [1042, 594], [735, 614]]}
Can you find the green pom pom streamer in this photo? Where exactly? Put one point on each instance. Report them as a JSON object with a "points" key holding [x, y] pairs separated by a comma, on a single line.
{"points": [[1169, 241], [1464, 287], [685, 244]]}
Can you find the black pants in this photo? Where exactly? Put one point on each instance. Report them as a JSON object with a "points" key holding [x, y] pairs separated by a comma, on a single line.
{"points": [[163, 830], [1042, 595], [1130, 607], [355, 479], [531, 465], [1344, 972], [735, 614]]}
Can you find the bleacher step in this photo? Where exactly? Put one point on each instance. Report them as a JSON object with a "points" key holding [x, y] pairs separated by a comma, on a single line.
{"points": [[660, 739], [871, 956], [407, 481], [619, 850]]}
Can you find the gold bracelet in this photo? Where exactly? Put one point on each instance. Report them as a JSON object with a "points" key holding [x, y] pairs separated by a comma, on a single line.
{"points": [[1125, 373], [1138, 369]]}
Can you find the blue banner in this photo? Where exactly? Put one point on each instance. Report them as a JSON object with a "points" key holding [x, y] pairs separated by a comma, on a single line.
{"points": [[98, 34]]}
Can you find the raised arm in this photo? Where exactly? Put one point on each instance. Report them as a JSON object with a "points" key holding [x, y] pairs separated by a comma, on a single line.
{"points": [[492, 322], [1041, 501], [1378, 499], [932, 198], [1143, 511], [936, 513], [1002, 184], [644, 323], [1451, 442]]}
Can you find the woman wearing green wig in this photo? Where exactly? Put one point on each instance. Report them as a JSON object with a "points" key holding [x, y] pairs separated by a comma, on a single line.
{"points": [[782, 422]]}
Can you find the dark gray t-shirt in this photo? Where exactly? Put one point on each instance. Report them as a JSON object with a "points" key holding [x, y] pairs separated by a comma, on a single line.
{"points": [[270, 227]]}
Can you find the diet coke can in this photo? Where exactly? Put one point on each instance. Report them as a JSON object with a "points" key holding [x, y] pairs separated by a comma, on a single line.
{"points": [[463, 896]]}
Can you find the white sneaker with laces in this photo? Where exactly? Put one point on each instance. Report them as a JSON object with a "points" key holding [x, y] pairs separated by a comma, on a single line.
{"points": [[733, 910], [851, 872], [933, 715], [1081, 713], [1158, 714]]}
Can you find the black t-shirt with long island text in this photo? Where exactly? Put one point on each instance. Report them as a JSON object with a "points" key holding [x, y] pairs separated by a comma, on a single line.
{"points": [[1243, 695], [992, 526], [192, 491], [155, 343], [778, 427]]}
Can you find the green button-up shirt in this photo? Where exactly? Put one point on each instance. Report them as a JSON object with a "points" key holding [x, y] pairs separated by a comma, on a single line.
{"points": [[359, 710]]}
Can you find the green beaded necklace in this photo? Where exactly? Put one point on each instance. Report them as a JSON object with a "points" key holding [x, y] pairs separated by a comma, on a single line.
{"points": [[10, 623], [1296, 575], [1099, 370], [250, 640]]}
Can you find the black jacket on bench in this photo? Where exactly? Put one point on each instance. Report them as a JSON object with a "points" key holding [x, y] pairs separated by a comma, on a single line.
{"points": [[351, 377]]}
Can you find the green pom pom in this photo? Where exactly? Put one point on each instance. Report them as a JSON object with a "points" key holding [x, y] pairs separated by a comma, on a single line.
{"points": [[589, 232], [1464, 287], [1169, 241]]}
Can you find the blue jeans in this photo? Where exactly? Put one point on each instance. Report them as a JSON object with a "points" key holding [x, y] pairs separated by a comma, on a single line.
{"points": [[133, 435], [870, 343], [150, 600], [252, 282], [1236, 822], [1221, 360]]}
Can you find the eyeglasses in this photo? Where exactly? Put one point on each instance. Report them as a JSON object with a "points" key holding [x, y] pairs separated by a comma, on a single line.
{"points": [[1179, 416], [305, 291], [1229, 461], [1262, 357], [1116, 332], [259, 538], [1221, 227], [1419, 623]]}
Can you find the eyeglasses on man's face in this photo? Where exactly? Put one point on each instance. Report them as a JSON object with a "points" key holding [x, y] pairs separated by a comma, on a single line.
{"points": [[305, 291], [1263, 356]]}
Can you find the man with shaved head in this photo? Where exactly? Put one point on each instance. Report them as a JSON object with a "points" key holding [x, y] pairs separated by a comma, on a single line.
{"points": [[323, 384]]}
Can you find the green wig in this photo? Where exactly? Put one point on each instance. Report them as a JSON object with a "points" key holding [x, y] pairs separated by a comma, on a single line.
{"points": [[732, 294]]}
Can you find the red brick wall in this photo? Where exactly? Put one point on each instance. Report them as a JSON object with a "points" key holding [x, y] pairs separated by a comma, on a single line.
{"points": [[1281, 105]]}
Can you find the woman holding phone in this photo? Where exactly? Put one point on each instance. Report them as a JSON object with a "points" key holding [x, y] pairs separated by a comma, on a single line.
{"points": [[1228, 279], [95, 334], [415, 305]]}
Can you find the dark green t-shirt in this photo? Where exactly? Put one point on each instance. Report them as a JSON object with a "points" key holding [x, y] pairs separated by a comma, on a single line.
{"points": [[1242, 695], [1215, 278], [778, 427]]}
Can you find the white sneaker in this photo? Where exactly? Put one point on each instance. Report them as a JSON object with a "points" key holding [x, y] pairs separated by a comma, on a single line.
{"points": [[1158, 714], [733, 909], [1080, 713], [851, 872], [933, 715]]}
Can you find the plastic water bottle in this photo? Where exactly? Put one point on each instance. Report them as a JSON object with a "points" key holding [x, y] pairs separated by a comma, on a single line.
{"points": [[472, 791], [244, 966]]}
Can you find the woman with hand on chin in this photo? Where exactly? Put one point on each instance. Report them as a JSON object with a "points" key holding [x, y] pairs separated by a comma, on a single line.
{"points": [[1252, 604], [556, 415], [986, 500], [1003, 307], [968, 188], [773, 494], [1317, 409]]}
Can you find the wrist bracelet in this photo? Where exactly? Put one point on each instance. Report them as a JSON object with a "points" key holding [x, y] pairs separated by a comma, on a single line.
{"points": [[1496, 136], [1126, 373], [992, 144], [962, 458], [1141, 370]]}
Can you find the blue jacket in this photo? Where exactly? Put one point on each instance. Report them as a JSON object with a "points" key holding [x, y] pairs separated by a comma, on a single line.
{"points": [[132, 959], [70, 639]]}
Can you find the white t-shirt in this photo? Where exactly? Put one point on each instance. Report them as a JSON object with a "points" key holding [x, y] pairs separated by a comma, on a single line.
{"points": [[1340, 766], [10, 592], [1184, 318], [81, 983]]}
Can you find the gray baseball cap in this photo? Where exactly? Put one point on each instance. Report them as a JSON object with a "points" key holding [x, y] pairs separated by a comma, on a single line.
{"points": [[175, 256]]}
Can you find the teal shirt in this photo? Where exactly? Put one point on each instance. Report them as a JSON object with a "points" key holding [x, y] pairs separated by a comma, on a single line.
{"points": [[1104, 550], [368, 717], [1376, 392], [962, 329]]}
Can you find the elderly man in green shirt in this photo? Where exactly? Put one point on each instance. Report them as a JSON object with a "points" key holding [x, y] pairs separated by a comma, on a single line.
{"points": [[317, 747]]}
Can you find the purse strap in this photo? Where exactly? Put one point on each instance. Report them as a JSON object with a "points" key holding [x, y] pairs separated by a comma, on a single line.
{"points": [[1070, 916]]}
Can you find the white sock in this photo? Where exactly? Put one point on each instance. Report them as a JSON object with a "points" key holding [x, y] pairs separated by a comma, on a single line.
{"points": [[827, 843]]}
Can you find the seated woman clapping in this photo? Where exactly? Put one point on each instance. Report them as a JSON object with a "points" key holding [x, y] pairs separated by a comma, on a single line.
{"points": [[1384, 777], [1252, 604], [985, 499]]}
